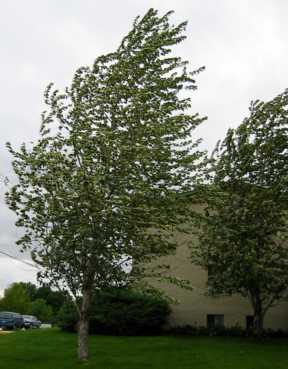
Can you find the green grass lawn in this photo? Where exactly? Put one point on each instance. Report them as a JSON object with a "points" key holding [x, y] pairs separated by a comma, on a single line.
{"points": [[43, 349]]}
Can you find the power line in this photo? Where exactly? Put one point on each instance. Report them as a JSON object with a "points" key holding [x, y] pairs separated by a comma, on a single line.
{"points": [[20, 260]]}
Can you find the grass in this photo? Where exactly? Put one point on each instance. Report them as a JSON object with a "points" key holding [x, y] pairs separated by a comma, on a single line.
{"points": [[52, 349]]}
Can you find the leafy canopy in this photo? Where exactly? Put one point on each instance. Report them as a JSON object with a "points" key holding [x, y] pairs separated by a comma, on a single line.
{"points": [[244, 233], [115, 149], [19, 297]]}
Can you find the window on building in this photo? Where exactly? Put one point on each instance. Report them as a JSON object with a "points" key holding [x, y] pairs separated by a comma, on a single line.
{"points": [[215, 321], [249, 322]]}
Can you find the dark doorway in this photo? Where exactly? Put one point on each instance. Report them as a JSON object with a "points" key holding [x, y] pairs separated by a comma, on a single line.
{"points": [[249, 322]]}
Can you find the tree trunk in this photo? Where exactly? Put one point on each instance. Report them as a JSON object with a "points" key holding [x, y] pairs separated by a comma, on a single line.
{"points": [[258, 323], [83, 326], [258, 316]]}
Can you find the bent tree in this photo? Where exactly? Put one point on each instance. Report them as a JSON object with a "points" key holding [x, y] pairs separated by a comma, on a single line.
{"points": [[115, 149], [244, 229]]}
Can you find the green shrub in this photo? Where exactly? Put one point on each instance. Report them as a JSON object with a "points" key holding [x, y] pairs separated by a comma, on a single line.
{"points": [[187, 330], [67, 317], [42, 310], [234, 331], [120, 312]]}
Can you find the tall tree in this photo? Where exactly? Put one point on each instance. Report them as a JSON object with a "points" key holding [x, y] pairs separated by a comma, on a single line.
{"points": [[16, 299], [42, 310], [115, 150], [26, 298], [55, 299], [244, 229]]}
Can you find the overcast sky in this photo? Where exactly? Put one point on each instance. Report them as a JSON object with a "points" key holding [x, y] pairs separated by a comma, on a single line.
{"points": [[243, 45]]}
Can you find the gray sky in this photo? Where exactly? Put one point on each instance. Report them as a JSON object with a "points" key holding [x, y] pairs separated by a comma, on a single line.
{"points": [[243, 45]]}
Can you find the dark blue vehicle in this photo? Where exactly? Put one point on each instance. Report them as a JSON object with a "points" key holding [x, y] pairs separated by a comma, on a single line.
{"points": [[10, 320], [31, 321]]}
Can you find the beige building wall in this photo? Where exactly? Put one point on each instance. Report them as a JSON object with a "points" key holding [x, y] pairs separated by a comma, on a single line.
{"points": [[194, 306]]}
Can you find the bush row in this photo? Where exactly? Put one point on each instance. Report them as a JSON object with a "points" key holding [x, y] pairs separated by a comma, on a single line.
{"points": [[120, 312], [236, 331]]}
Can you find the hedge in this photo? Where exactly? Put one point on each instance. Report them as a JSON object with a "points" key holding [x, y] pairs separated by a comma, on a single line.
{"points": [[120, 312]]}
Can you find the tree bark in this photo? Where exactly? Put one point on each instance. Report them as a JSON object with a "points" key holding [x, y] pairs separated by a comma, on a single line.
{"points": [[258, 315], [83, 325], [258, 324]]}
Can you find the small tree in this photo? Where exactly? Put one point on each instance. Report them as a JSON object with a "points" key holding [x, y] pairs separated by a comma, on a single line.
{"points": [[16, 299], [41, 310], [115, 150], [244, 229], [53, 298]]}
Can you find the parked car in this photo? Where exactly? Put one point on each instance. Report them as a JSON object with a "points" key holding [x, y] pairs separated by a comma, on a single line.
{"points": [[31, 321], [10, 320]]}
